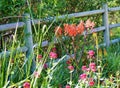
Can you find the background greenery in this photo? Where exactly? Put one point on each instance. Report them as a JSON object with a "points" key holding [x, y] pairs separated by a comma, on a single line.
{"points": [[46, 8]]}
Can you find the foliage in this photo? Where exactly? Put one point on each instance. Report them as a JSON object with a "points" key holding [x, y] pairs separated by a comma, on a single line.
{"points": [[47, 8], [75, 61]]}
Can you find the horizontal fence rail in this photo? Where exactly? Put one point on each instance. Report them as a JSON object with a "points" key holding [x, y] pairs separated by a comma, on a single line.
{"points": [[18, 50], [6, 27], [106, 26]]}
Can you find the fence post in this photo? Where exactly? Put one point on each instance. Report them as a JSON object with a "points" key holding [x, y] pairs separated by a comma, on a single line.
{"points": [[30, 63], [106, 24]]}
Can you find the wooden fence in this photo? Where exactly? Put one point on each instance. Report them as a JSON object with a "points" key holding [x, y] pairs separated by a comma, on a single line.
{"points": [[28, 48]]}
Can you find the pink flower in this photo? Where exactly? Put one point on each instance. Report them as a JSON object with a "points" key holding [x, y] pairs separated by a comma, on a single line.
{"points": [[71, 68], [53, 55], [92, 66], [67, 86], [91, 83], [93, 69], [83, 76], [84, 68], [87, 69], [45, 66], [26, 85], [36, 74], [91, 53]]}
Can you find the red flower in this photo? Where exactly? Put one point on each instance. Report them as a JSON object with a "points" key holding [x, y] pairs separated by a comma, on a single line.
{"points": [[39, 57], [53, 55], [70, 30], [80, 27], [71, 68], [67, 86], [26, 85], [91, 83], [83, 76], [68, 62], [54, 49]]}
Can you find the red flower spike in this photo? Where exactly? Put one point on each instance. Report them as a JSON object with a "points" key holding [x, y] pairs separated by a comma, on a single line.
{"points": [[80, 27], [70, 30]]}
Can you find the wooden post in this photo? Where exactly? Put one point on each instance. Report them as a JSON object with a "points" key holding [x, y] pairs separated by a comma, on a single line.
{"points": [[106, 24], [30, 63]]}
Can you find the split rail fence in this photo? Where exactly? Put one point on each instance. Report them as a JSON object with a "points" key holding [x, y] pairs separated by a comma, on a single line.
{"points": [[28, 48]]}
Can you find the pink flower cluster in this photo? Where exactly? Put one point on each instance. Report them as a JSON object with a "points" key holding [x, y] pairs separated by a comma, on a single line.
{"points": [[92, 67], [53, 55], [91, 54], [84, 77]]}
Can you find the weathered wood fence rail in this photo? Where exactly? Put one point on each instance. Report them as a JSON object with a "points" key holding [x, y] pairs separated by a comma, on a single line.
{"points": [[29, 22]]}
